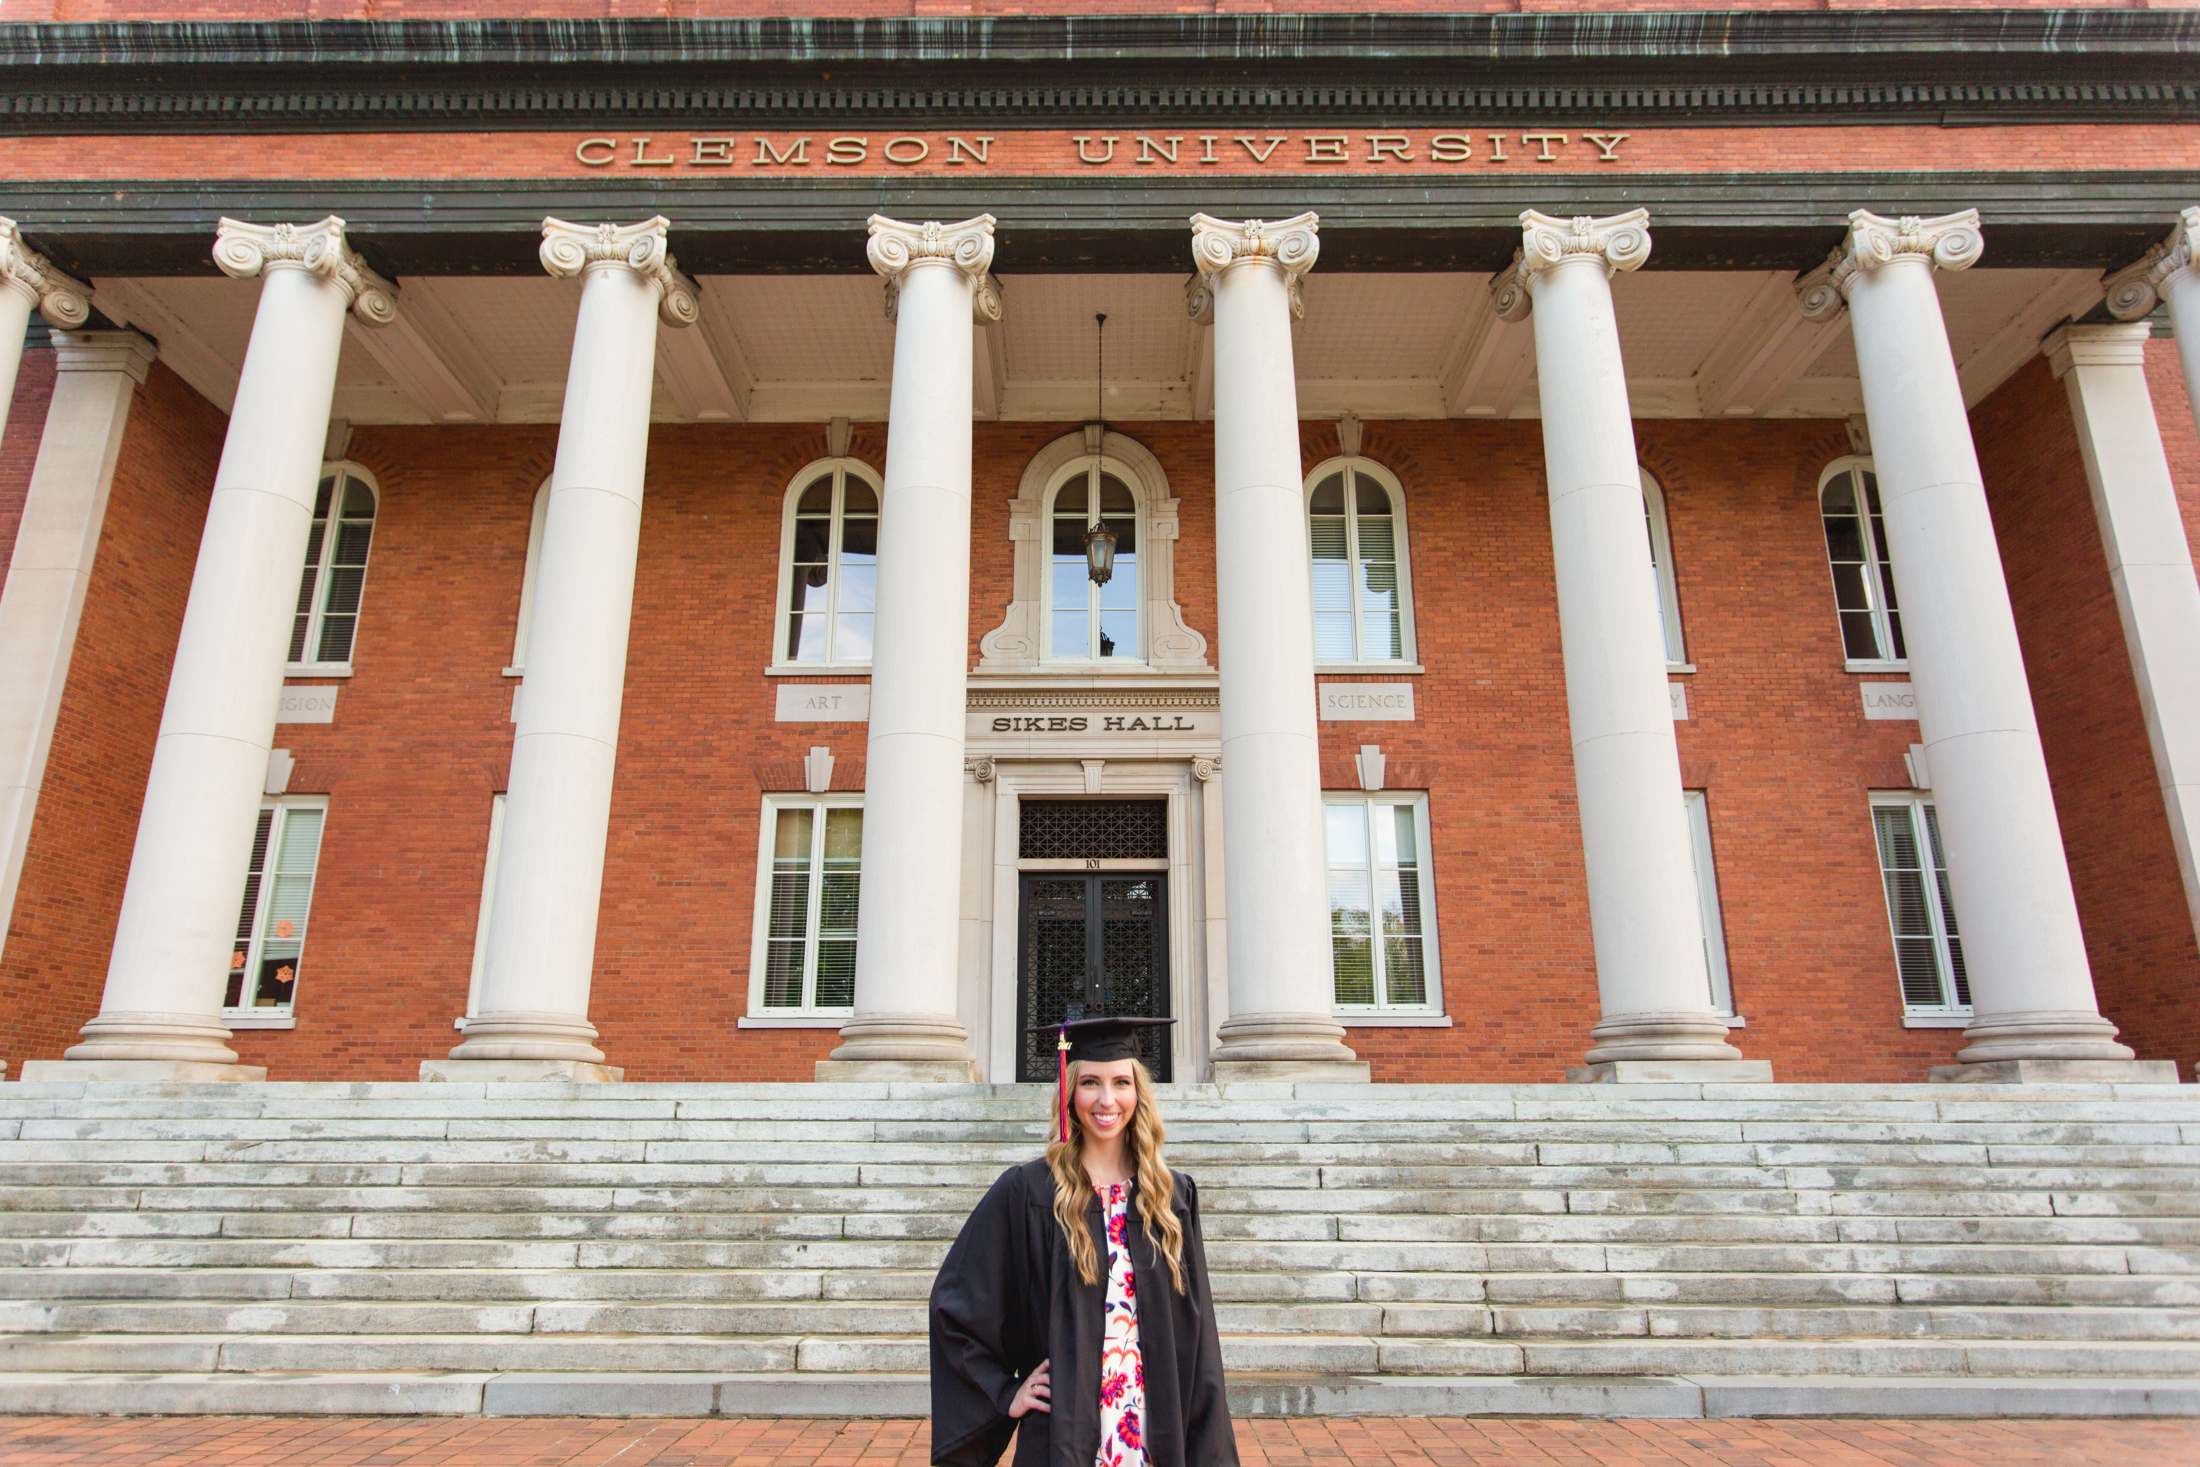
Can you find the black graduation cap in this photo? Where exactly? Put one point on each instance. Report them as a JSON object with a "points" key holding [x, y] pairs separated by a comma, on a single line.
{"points": [[1104, 1038]]}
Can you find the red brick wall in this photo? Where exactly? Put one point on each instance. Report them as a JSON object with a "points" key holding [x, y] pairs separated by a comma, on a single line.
{"points": [[2138, 929], [79, 853], [19, 447]]}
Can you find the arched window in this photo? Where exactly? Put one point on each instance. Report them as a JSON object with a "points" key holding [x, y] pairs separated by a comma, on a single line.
{"points": [[335, 571], [1086, 620], [535, 524], [1661, 565], [1863, 571], [828, 566], [1363, 583]]}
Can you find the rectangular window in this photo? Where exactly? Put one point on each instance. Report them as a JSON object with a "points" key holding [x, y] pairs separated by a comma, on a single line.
{"points": [[1928, 951], [1707, 899], [1382, 910], [278, 896], [809, 884]]}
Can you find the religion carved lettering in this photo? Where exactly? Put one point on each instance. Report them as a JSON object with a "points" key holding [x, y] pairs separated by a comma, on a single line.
{"points": [[1042, 152]]}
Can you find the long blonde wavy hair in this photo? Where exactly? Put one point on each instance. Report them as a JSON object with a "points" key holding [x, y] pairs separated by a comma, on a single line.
{"points": [[1156, 1188]]}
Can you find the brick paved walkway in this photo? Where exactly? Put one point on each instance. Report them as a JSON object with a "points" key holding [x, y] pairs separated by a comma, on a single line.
{"points": [[230, 1441]]}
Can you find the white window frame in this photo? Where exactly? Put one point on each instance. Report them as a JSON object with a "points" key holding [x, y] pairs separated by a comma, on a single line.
{"points": [[488, 897], [1352, 465], [346, 471], [1951, 1011], [1431, 961], [538, 521], [1707, 901], [1089, 468], [276, 1016], [808, 1015], [1661, 560], [840, 468], [1882, 629]]}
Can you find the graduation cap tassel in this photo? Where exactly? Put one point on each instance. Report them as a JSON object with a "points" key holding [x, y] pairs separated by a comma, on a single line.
{"points": [[1061, 1079]]}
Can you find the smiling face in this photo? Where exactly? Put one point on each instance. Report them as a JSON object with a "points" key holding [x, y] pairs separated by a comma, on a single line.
{"points": [[1105, 1098]]}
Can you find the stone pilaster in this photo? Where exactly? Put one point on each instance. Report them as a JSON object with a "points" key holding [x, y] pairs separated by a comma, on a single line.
{"points": [[1282, 985], [908, 929], [1655, 994], [531, 1022], [2165, 276], [160, 1016]]}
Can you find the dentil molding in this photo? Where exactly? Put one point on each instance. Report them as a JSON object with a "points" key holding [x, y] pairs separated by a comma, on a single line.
{"points": [[1289, 245], [1171, 646], [62, 301], [2136, 289], [895, 247], [244, 250], [574, 249]]}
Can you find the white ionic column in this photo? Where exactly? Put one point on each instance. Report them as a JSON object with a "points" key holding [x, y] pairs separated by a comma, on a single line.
{"points": [[27, 281], [2103, 368], [2031, 986], [160, 1016], [98, 371], [909, 923], [531, 1022], [1652, 987], [2166, 275], [1281, 1024]]}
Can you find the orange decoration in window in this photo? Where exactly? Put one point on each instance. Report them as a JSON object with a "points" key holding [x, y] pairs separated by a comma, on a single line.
{"points": [[282, 928], [236, 960], [285, 973]]}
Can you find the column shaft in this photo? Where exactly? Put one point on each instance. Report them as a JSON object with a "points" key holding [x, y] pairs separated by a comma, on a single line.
{"points": [[2103, 368], [532, 1016], [1275, 874], [1643, 915], [161, 1012], [52, 565], [908, 927], [2031, 987]]}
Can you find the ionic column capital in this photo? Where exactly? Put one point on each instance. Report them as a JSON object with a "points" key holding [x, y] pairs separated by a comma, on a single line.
{"points": [[896, 248], [645, 248], [62, 301], [1287, 245], [2137, 288], [244, 250], [1949, 242], [1620, 241], [1509, 296]]}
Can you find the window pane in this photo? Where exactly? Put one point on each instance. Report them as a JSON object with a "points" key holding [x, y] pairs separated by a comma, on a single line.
{"points": [[806, 638], [843, 836], [782, 968], [1328, 497], [1405, 977], [858, 586], [858, 497], [1346, 827], [817, 499], [1118, 634], [1351, 943], [322, 496], [852, 637], [1369, 497], [249, 910], [1125, 529], [1333, 636], [787, 921], [358, 500], [812, 545], [1377, 543], [1121, 591], [836, 974], [858, 540], [1859, 636], [1839, 496], [1115, 497], [1402, 823], [791, 837]]}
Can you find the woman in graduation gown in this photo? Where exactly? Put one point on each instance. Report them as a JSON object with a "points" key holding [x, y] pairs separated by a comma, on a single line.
{"points": [[1074, 1304]]}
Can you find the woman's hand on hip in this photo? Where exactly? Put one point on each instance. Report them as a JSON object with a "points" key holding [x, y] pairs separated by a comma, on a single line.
{"points": [[1032, 1394]]}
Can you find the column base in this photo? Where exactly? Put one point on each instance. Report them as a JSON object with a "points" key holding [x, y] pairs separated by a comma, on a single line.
{"points": [[2057, 1072], [1287, 1072], [1664, 1036], [521, 1071], [173, 1072], [2041, 1034], [896, 1072], [149, 1036], [529, 1037], [1672, 1072]]}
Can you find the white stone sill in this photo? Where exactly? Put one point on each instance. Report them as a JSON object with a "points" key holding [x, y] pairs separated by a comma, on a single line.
{"points": [[513, 672], [239, 1019], [1936, 1021], [1854, 665], [1679, 669], [792, 1021], [1735, 1021], [819, 669], [1394, 1021], [317, 669], [1406, 669]]}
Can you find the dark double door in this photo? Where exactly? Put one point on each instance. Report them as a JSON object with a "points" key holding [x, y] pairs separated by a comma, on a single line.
{"points": [[1091, 943]]}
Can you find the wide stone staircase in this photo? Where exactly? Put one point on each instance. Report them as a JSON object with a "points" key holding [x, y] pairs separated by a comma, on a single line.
{"points": [[1678, 1250]]}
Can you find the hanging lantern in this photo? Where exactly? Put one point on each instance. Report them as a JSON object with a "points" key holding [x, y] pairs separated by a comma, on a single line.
{"points": [[1100, 553]]}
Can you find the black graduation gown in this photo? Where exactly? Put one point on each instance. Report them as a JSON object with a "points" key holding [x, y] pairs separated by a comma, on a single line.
{"points": [[1008, 1297]]}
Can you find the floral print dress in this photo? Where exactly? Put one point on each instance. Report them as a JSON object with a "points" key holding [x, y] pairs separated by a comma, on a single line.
{"points": [[1122, 1372]]}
